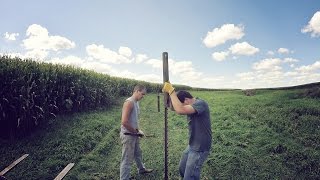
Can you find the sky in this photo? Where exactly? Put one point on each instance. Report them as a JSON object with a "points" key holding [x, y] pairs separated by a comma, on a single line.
{"points": [[217, 44]]}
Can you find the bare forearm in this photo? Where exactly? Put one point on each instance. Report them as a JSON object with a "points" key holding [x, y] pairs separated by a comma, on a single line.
{"points": [[177, 105], [129, 128]]}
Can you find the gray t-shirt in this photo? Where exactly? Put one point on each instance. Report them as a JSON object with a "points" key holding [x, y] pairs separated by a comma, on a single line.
{"points": [[134, 116], [200, 133]]}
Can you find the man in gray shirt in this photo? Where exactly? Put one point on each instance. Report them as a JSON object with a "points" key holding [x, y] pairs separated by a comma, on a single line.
{"points": [[130, 133], [200, 134]]}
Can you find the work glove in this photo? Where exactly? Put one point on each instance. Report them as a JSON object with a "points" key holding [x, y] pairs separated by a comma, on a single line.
{"points": [[167, 87]]}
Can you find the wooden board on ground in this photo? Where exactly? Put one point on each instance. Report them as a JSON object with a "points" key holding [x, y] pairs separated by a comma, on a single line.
{"points": [[64, 171], [13, 164]]}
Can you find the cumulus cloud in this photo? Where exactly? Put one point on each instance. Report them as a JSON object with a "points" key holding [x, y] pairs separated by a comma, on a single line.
{"points": [[243, 48], [176, 67], [246, 76], [270, 53], [10, 36], [259, 79], [283, 51], [184, 70], [309, 68], [68, 60], [155, 78], [220, 35], [181, 67], [290, 60], [155, 63], [313, 26], [125, 51], [290, 74], [269, 73], [272, 64], [209, 82], [141, 58], [37, 54], [39, 39], [106, 55], [220, 56]]}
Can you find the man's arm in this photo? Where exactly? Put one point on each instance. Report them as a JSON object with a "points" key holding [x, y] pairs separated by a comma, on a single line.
{"points": [[179, 107], [126, 110]]}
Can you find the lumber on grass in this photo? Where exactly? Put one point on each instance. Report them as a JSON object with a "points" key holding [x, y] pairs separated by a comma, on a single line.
{"points": [[64, 171], [13, 164]]}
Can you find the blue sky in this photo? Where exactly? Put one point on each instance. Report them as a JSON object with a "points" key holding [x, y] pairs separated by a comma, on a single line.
{"points": [[211, 44]]}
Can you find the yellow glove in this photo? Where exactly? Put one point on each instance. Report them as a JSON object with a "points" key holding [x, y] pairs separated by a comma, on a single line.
{"points": [[167, 87]]}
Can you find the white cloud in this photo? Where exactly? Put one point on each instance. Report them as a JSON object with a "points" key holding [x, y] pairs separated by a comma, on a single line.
{"points": [[309, 68], [260, 79], [291, 74], [183, 70], [246, 76], [155, 78], [155, 63], [141, 58], [267, 65], [270, 53], [306, 78], [271, 77], [178, 67], [290, 60], [125, 51], [220, 56], [313, 26], [209, 82], [106, 55], [268, 73], [39, 39], [88, 63], [220, 35], [10, 37], [37, 54], [243, 48], [69, 60], [283, 51]]}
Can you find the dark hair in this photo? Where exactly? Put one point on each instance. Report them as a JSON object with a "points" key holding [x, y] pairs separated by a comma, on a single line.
{"points": [[182, 94]]}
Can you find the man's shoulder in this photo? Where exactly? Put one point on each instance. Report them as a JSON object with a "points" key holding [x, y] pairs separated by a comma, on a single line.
{"points": [[128, 102], [200, 101]]}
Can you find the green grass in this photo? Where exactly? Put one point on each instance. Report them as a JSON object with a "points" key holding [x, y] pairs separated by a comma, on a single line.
{"points": [[272, 135]]}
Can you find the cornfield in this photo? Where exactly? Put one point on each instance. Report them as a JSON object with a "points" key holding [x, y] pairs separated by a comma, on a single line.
{"points": [[32, 92]]}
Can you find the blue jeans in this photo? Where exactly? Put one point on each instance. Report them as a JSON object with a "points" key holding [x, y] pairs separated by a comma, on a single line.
{"points": [[130, 151], [191, 163]]}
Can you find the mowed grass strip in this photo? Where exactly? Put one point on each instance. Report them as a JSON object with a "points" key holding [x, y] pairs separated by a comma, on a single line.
{"points": [[64, 140]]}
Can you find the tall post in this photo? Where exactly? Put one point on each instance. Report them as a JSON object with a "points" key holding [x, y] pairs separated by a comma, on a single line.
{"points": [[165, 77], [166, 105]]}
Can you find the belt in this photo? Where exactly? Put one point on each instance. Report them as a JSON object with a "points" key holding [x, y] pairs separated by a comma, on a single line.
{"points": [[132, 134]]}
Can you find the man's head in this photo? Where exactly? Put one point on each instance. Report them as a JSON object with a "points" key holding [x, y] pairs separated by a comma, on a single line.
{"points": [[184, 97], [139, 91]]}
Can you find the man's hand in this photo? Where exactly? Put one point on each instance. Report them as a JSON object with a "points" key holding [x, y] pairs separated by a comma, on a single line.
{"points": [[167, 87], [140, 133]]}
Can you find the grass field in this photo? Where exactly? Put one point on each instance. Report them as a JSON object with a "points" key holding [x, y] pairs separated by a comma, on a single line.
{"points": [[272, 135]]}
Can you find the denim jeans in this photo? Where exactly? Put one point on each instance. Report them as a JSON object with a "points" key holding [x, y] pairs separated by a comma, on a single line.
{"points": [[130, 151], [191, 163]]}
